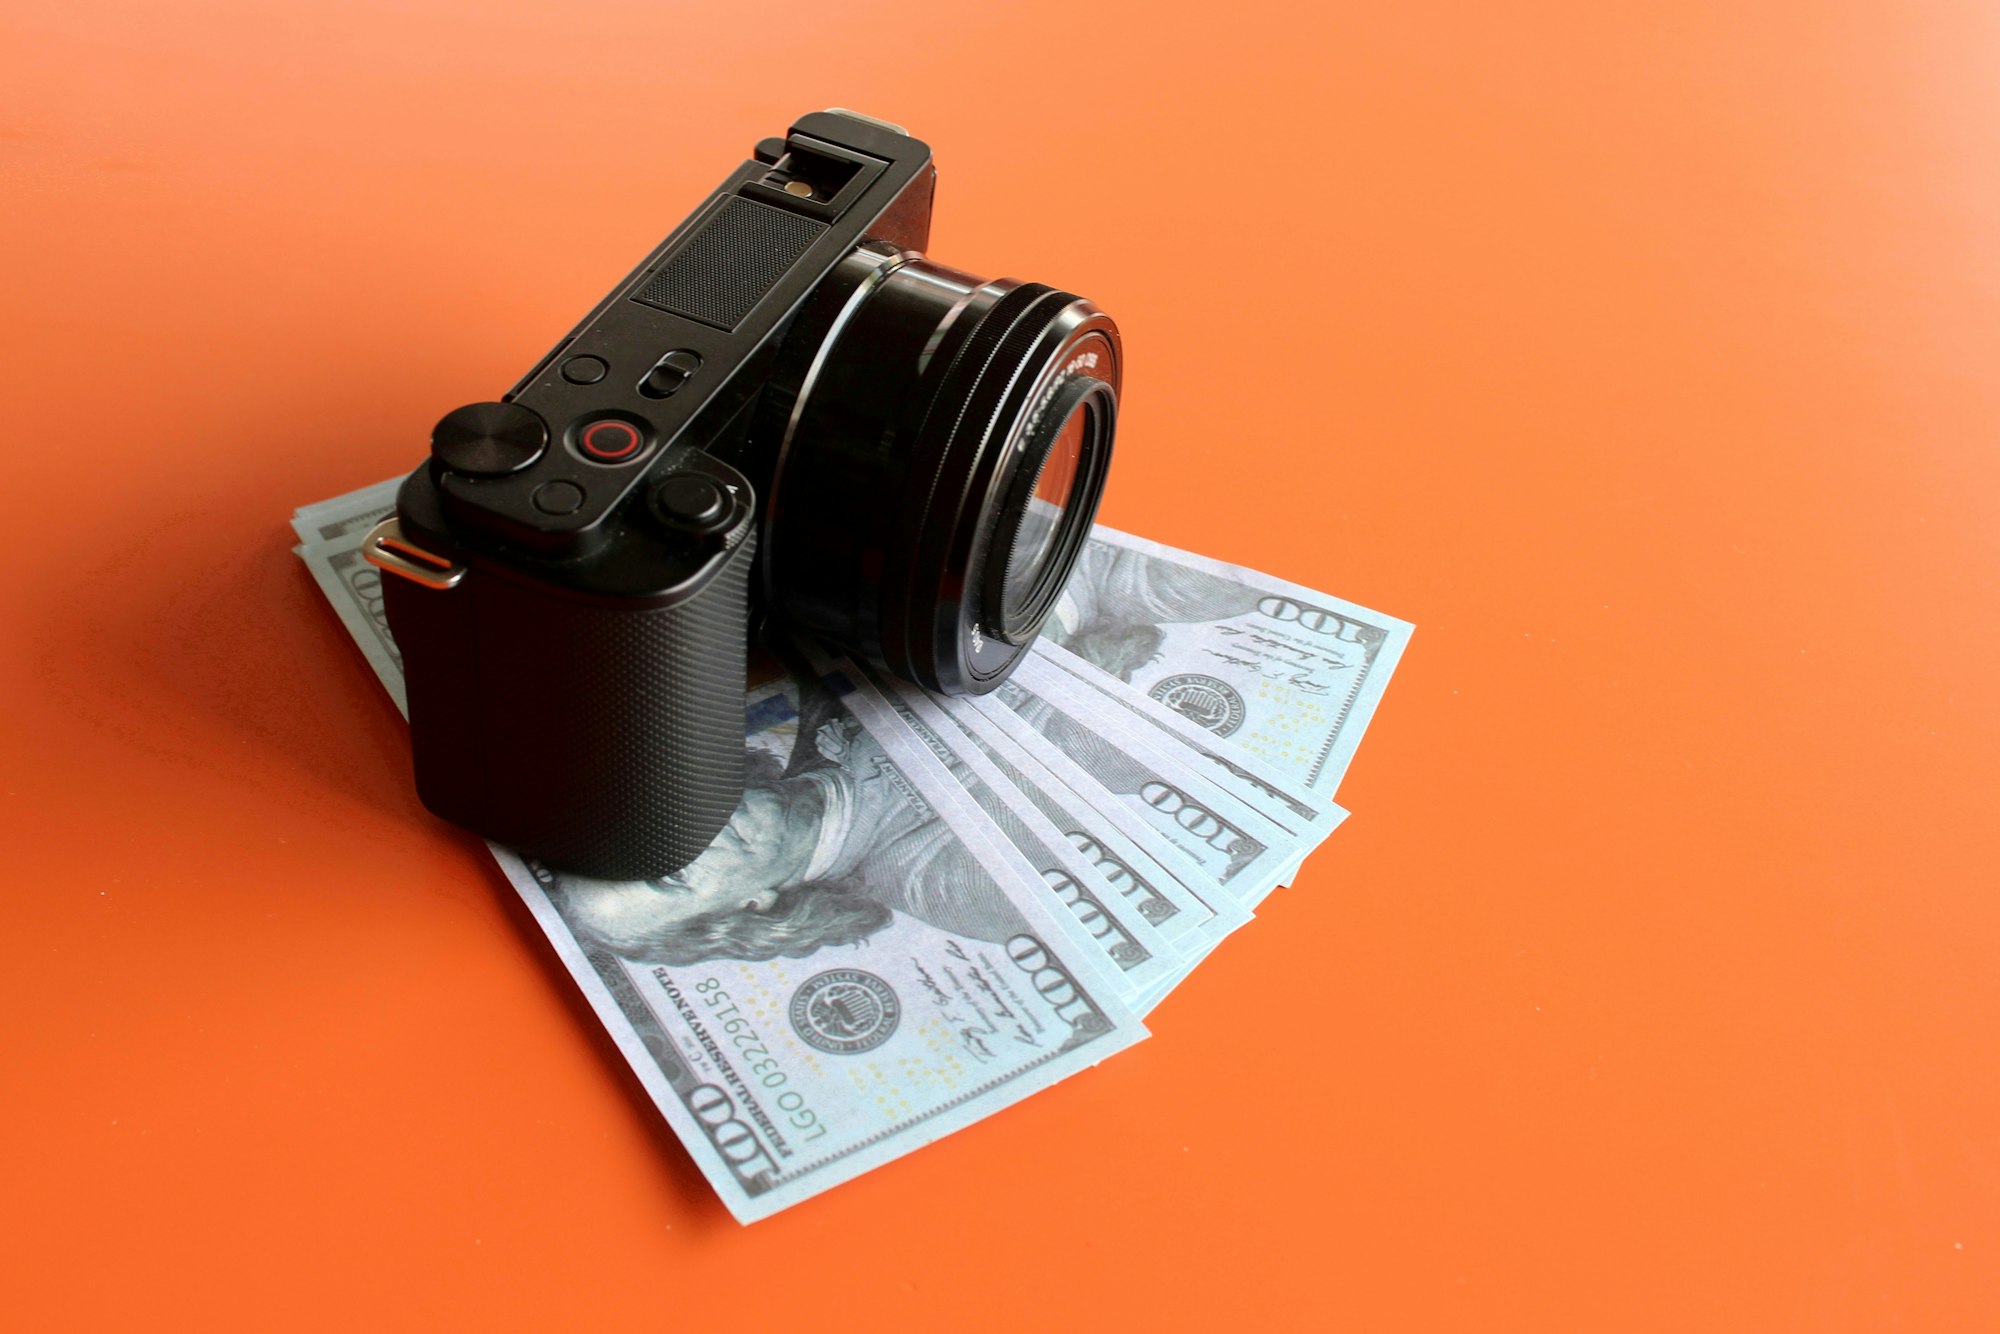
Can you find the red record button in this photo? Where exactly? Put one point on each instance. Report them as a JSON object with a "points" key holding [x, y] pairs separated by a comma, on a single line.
{"points": [[610, 441]]}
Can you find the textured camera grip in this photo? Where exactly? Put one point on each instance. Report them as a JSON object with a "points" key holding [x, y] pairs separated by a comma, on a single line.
{"points": [[602, 740]]}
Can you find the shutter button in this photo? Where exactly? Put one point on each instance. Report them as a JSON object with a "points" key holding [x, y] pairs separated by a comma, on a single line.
{"points": [[610, 440], [693, 502]]}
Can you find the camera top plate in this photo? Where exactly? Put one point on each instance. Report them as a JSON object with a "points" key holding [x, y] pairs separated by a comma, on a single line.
{"points": [[669, 358]]}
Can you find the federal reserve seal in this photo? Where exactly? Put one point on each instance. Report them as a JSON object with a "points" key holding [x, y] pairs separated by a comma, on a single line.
{"points": [[1211, 702], [845, 1011]]}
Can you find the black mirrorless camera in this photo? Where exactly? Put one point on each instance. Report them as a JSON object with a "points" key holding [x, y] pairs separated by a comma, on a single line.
{"points": [[786, 408]]}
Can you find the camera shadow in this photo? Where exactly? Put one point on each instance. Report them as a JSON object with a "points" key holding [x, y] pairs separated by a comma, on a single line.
{"points": [[192, 639]]}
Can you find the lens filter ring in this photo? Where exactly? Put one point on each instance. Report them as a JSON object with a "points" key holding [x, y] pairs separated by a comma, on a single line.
{"points": [[935, 545], [942, 603]]}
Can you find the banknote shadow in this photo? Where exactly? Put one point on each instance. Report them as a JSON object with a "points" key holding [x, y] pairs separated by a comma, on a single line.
{"points": [[679, 1172]]}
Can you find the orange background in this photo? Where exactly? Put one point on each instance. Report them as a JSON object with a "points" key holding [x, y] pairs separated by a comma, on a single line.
{"points": [[1644, 356]]}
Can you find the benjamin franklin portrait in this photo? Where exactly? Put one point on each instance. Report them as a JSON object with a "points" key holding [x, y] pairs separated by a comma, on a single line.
{"points": [[1111, 612]]}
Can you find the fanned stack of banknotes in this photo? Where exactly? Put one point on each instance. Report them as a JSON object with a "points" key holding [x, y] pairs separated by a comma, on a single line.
{"points": [[927, 908]]}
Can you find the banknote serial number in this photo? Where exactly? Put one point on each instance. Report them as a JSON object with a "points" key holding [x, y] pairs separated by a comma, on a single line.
{"points": [[756, 1056], [729, 1107]]}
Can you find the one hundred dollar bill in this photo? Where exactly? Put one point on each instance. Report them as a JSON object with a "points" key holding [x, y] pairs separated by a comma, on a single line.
{"points": [[1202, 934], [1170, 887], [1286, 673], [1145, 865], [1242, 767], [1117, 789], [1133, 870], [351, 515], [1141, 951], [1146, 728], [851, 970], [354, 587], [1242, 849]]}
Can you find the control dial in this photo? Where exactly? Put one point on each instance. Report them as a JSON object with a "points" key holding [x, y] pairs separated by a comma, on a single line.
{"points": [[488, 439], [692, 502]]}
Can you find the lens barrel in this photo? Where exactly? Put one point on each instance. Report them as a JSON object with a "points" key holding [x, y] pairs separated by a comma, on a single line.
{"points": [[945, 446]]}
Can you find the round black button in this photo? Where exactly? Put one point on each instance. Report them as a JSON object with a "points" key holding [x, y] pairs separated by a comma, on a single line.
{"points": [[689, 500], [584, 370], [610, 440], [558, 497], [488, 439]]}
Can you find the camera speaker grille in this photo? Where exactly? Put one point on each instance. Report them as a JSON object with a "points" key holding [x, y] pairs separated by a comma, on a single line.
{"points": [[721, 272]]}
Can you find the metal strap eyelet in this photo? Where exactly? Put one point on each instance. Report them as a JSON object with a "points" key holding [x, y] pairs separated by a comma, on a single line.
{"points": [[386, 548]]}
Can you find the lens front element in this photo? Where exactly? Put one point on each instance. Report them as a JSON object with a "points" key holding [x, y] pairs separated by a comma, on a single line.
{"points": [[1046, 518], [1041, 518]]}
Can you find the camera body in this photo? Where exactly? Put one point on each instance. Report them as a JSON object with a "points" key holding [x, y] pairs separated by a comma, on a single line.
{"points": [[578, 562]]}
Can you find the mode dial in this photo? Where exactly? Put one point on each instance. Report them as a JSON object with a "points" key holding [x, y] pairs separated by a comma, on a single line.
{"points": [[488, 439]]}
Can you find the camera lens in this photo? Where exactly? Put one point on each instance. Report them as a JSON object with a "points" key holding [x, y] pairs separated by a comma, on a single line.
{"points": [[943, 442]]}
